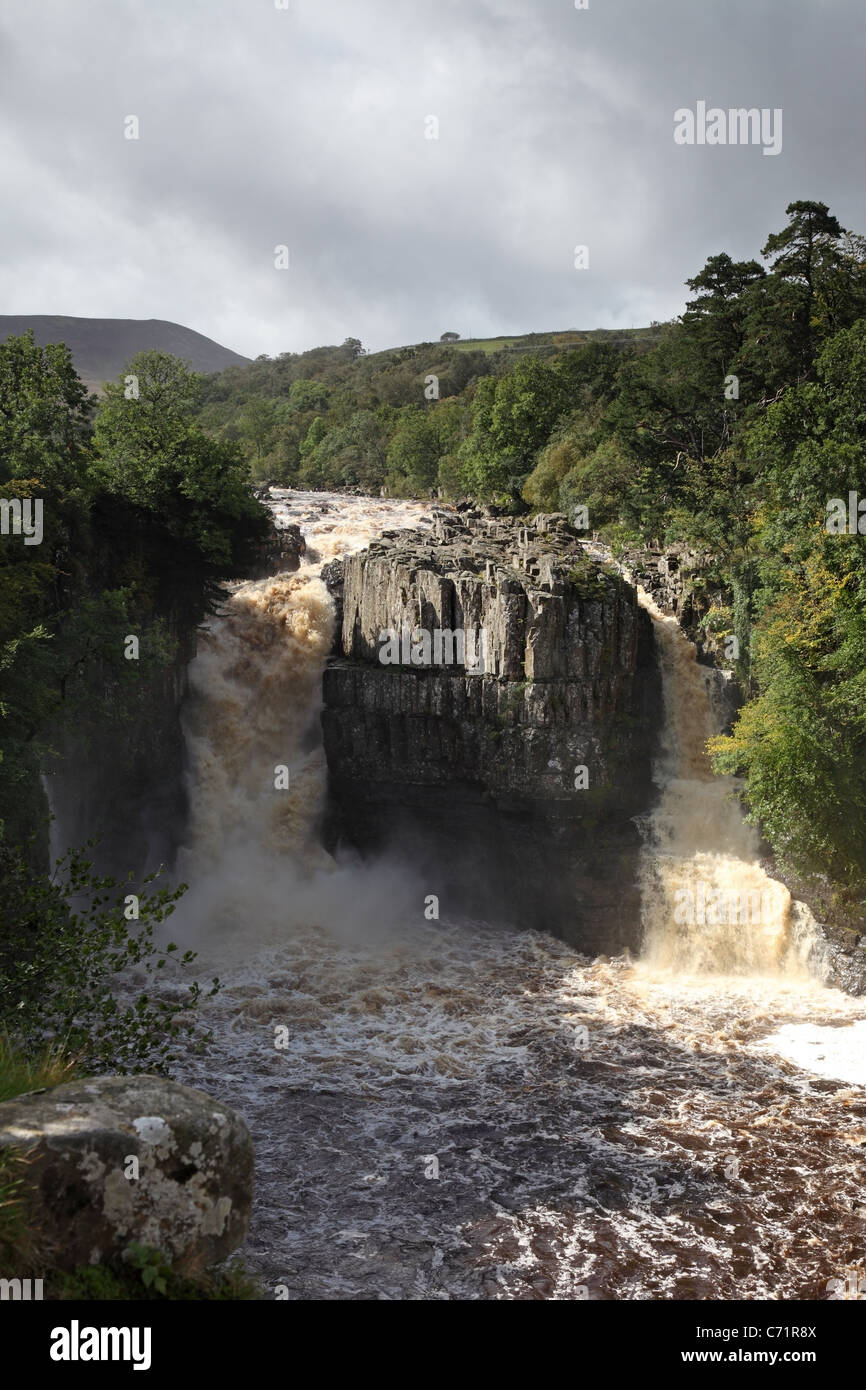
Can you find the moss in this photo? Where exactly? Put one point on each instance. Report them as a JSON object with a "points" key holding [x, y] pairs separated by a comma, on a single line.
{"points": [[512, 704], [587, 579]]}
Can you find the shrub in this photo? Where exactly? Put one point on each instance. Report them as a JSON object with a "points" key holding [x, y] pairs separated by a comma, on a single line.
{"points": [[66, 951]]}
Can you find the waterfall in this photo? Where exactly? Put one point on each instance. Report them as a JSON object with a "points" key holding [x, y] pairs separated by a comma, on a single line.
{"points": [[256, 685], [457, 1110], [708, 906], [256, 775]]}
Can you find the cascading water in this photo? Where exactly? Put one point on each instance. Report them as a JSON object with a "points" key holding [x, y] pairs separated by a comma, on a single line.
{"points": [[463, 1111], [707, 903], [256, 768], [256, 685]]}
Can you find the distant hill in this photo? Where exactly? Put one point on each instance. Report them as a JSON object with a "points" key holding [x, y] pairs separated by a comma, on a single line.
{"points": [[102, 347]]}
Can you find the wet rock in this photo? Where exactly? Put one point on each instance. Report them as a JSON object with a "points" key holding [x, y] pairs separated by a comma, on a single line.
{"points": [[191, 1198], [332, 577], [470, 774], [281, 552], [842, 922]]}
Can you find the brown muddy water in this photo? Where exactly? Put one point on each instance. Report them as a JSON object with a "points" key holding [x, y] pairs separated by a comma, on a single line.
{"points": [[452, 1110]]}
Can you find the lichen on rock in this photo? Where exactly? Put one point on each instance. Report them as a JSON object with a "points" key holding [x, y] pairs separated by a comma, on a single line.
{"points": [[122, 1159]]}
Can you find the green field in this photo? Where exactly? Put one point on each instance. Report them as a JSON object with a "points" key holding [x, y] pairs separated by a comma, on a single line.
{"points": [[486, 344], [561, 338]]}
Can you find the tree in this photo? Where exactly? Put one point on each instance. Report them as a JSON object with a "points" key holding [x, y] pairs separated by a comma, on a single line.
{"points": [[809, 241], [801, 742], [348, 455], [812, 442], [44, 453], [590, 373], [528, 402], [450, 418], [482, 471], [512, 418], [450, 338], [795, 247], [309, 395], [152, 452], [413, 455], [542, 487], [45, 415], [670, 403], [715, 319], [66, 944]]}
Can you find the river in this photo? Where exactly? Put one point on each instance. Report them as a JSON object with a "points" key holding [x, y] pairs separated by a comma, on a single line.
{"points": [[453, 1110]]}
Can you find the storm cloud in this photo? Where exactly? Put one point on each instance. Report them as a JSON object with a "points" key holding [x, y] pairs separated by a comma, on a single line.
{"points": [[308, 127]]}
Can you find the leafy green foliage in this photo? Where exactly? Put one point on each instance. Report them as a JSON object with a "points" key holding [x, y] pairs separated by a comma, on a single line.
{"points": [[801, 742], [44, 416], [147, 1274], [152, 451], [728, 430], [134, 541], [349, 455], [413, 454], [67, 953]]}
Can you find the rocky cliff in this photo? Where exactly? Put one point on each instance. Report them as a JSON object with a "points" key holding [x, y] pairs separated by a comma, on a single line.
{"points": [[511, 789], [119, 775]]}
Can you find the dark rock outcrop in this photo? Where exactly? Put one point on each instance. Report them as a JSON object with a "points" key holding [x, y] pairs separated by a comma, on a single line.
{"points": [[332, 578], [188, 1194], [473, 777], [280, 552], [119, 778], [675, 579]]}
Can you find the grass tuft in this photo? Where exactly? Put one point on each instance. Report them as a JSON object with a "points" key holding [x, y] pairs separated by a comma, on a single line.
{"points": [[20, 1072]]}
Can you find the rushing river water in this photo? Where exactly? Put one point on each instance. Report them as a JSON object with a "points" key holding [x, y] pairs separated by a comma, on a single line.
{"points": [[456, 1110]]}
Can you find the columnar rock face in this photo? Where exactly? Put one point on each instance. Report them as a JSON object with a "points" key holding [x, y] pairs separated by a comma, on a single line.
{"points": [[188, 1192], [473, 773], [281, 550]]}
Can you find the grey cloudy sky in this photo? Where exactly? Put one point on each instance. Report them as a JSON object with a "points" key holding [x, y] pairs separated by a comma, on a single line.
{"points": [[262, 126]]}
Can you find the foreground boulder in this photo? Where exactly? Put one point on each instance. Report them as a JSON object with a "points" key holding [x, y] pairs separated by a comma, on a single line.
{"points": [[119, 1159]]}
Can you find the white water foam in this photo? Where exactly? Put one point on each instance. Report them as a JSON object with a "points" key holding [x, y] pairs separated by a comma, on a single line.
{"points": [[602, 1130]]}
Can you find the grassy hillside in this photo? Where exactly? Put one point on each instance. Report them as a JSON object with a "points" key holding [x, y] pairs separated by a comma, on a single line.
{"points": [[560, 340], [101, 347]]}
